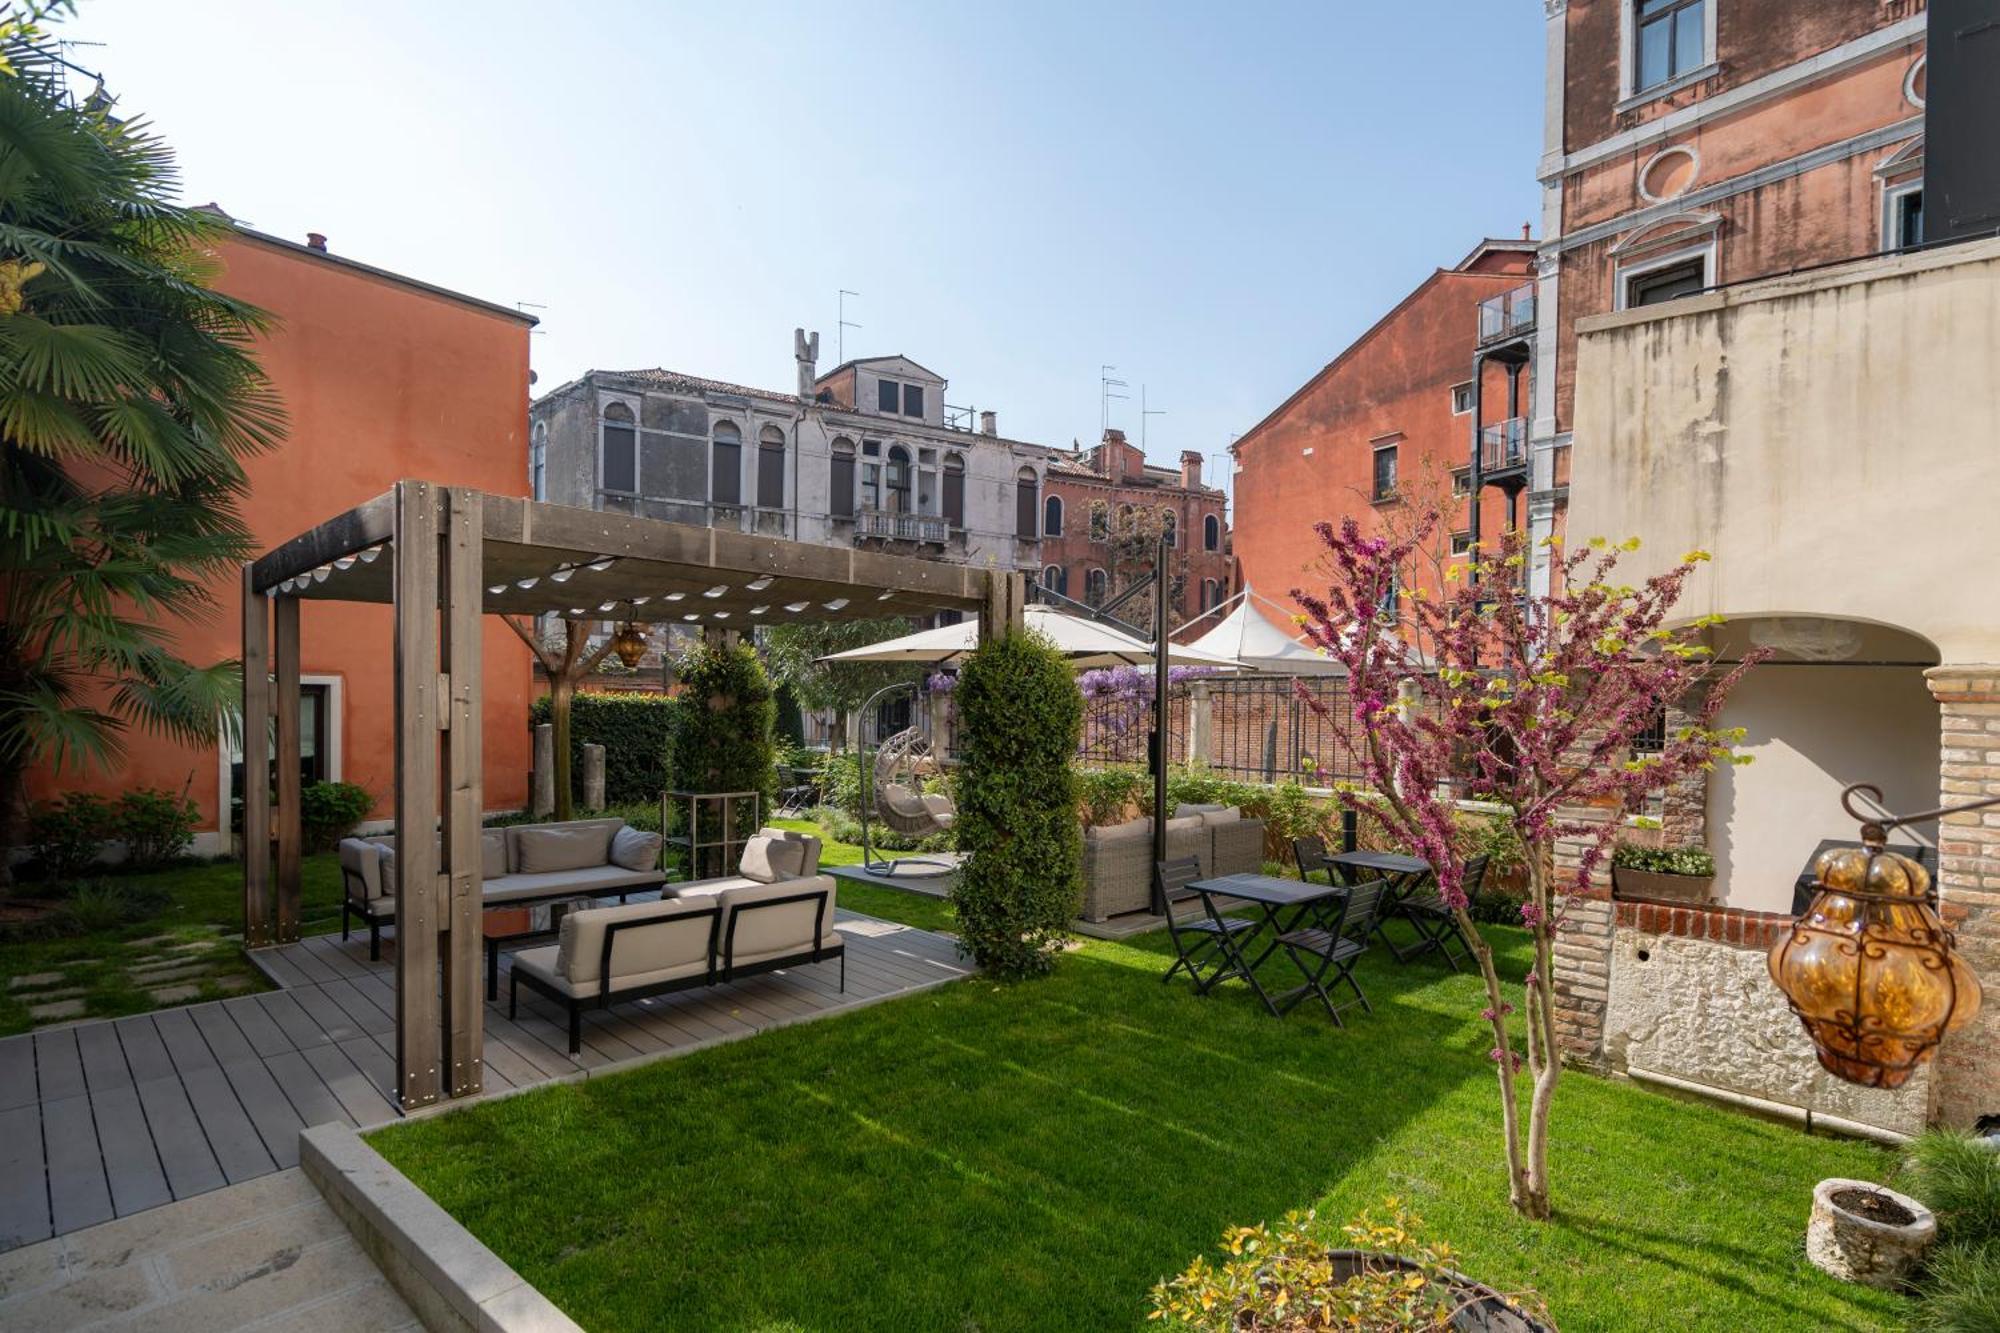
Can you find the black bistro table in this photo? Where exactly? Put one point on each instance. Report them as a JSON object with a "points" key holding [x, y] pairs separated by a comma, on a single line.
{"points": [[1402, 875], [1285, 903]]}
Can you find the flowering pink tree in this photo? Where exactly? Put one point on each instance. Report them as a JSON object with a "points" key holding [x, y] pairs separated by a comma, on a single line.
{"points": [[1528, 703]]}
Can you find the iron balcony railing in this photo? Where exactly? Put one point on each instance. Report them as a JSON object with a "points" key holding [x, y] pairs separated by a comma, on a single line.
{"points": [[902, 527], [1507, 315], [1503, 445]]}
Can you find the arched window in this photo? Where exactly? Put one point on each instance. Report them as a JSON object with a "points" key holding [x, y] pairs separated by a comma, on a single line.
{"points": [[1052, 516], [1127, 523], [1100, 521], [538, 460], [1211, 533], [618, 458], [954, 490], [1170, 527], [899, 480], [1096, 586], [1056, 579], [725, 472], [1027, 504], [1211, 594], [840, 479], [771, 468]]}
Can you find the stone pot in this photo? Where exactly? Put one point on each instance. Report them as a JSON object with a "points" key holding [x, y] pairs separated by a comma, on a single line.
{"points": [[1652, 886], [1481, 1309], [1864, 1233]]}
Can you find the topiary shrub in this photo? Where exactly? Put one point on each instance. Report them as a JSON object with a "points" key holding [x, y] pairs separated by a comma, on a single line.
{"points": [[1020, 717], [632, 728], [330, 810], [720, 739]]}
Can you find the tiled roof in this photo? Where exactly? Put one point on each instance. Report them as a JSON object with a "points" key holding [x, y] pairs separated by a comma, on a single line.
{"points": [[675, 381]]}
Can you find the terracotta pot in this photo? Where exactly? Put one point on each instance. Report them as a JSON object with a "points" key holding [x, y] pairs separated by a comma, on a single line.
{"points": [[1652, 886], [1482, 1309], [1865, 1233]]}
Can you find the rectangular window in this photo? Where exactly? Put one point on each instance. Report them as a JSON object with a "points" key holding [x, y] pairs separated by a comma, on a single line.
{"points": [[1671, 40], [1385, 472], [1461, 542], [842, 500], [621, 459], [1666, 284], [871, 485], [1461, 482], [1906, 218], [888, 396], [771, 476], [913, 400], [1461, 398], [954, 497], [726, 479]]}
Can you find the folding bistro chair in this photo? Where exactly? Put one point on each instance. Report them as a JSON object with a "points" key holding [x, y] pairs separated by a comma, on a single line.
{"points": [[1204, 942], [1309, 850], [1327, 955], [1436, 926]]}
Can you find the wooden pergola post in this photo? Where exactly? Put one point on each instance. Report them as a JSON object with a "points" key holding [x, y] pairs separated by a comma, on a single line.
{"points": [[418, 718], [465, 797], [287, 815], [257, 916]]}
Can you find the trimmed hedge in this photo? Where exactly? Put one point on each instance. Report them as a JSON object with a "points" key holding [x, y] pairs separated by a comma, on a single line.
{"points": [[719, 737], [1020, 717], [632, 728]]}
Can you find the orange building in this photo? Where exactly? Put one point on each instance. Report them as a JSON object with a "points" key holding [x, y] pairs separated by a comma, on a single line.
{"points": [[1382, 433], [382, 377]]}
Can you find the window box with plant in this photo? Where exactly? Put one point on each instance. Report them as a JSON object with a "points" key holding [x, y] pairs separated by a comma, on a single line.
{"points": [[1662, 874]]}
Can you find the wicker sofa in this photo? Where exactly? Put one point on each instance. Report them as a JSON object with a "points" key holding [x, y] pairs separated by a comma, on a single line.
{"points": [[523, 863], [1118, 859]]}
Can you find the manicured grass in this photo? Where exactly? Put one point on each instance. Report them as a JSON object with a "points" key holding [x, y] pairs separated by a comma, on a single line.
{"points": [[202, 922], [912, 909], [1035, 1156]]}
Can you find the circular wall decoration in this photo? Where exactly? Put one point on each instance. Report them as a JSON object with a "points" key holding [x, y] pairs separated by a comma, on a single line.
{"points": [[1668, 174], [1913, 83]]}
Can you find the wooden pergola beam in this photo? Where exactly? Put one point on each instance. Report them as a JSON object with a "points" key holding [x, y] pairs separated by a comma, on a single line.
{"points": [[259, 926], [288, 817]]}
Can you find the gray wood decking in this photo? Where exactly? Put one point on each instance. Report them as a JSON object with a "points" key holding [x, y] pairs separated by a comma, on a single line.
{"points": [[103, 1119]]}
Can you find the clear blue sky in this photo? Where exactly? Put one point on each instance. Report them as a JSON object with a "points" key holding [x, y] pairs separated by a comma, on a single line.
{"points": [[1214, 198]]}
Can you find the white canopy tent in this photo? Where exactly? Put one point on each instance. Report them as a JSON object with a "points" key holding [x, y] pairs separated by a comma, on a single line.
{"points": [[1247, 638], [1086, 643]]}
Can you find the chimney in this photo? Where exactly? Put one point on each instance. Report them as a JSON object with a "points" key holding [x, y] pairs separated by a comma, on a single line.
{"points": [[805, 350], [1527, 231], [316, 240], [1190, 470], [989, 423]]}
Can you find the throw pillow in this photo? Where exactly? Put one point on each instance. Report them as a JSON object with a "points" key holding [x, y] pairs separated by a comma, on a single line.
{"points": [[546, 850], [768, 860], [636, 850]]}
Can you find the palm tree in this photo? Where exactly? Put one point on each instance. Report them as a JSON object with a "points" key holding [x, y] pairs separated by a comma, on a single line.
{"points": [[128, 398]]}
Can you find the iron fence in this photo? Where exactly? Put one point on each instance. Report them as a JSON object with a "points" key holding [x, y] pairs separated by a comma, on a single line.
{"points": [[1252, 729]]}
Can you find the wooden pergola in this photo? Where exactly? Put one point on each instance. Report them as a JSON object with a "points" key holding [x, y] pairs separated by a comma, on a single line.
{"points": [[443, 556]]}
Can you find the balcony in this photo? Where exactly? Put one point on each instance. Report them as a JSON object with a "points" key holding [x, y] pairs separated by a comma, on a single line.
{"points": [[888, 525], [1508, 315], [1503, 447]]}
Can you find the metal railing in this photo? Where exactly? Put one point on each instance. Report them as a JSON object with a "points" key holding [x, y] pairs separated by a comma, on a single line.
{"points": [[895, 526], [1508, 314], [1253, 729], [1503, 445]]}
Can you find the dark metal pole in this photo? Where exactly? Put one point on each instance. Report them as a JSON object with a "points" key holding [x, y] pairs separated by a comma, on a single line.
{"points": [[1160, 585]]}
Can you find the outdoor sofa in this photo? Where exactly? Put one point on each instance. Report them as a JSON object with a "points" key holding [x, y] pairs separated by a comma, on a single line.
{"points": [[522, 864], [775, 912], [1118, 859]]}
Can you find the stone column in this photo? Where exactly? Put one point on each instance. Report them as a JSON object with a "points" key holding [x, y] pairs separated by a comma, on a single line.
{"points": [[1582, 983], [542, 798], [1201, 722], [593, 777], [1968, 1065]]}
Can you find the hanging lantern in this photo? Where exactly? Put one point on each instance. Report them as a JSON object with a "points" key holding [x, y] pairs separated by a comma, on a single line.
{"points": [[1869, 968], [629, 643]]}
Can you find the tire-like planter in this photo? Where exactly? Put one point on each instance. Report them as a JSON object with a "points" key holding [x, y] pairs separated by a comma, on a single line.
{"points": [[1864, 1233], [1484, 1310]]}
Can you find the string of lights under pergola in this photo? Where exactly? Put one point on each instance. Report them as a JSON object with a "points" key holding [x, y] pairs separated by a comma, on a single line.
{"points": [[443, 557]]}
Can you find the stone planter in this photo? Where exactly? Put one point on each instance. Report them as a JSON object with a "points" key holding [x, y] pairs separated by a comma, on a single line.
{"points": [[1652, 886], [1481, 1308], [1864, 1233]]}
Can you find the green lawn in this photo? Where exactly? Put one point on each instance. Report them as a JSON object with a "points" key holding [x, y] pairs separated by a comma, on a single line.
{"points": [[914, 909], [1035, 1156], [201, 924]]}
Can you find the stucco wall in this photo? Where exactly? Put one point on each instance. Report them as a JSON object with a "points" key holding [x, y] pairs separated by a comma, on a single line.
{"points": [[1827, 437], [1707, 1013]]}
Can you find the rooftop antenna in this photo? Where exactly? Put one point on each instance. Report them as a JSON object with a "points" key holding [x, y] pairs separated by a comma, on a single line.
{"points": [[532, 305], [840, 330], [1105, 385], [1225, 462], [1145, 412]]}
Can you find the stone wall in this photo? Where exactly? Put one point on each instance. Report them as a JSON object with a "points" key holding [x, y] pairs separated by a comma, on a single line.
{"points": [[1968, 1065]]}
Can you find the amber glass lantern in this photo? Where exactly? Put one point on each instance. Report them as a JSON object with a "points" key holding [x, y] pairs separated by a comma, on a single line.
{"points": [[629, 643], [1870, 969]]}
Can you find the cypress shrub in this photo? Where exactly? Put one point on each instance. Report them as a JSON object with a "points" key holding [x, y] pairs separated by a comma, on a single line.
{"points": [[719, 739], [632, 728], [1019, 720]]}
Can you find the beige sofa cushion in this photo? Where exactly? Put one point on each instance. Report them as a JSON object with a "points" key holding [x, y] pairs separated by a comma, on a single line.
{"points": [[1228, 814], [775, 932], [636, 850], [542, 850], [513, 834], [594, 882], [676, 936], [772, 860], [542, 963], [1186, 808], [807, 840], [1132, 830], [492, 853]]}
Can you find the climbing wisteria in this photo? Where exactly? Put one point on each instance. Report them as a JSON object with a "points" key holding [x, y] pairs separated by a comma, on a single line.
{"points": [[1531, 703]]}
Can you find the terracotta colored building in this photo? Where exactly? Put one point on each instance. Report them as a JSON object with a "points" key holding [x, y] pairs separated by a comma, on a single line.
{"points": [[382, 377], [1384, 431], [1101, 510], [1695, 143]]}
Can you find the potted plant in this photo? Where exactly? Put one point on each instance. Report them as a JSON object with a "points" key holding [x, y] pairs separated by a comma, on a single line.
{"points": [[1868, 1233], [1662, 874]]}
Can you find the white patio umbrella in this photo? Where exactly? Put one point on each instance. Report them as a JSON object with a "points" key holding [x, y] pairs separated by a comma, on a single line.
{"points": [[1086, 643], [1248, 638]]}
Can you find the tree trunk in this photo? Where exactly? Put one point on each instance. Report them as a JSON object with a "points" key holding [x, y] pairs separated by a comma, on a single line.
{"points": [[1518, 1183], [561, 691], [13, 778], [1544, 1062]]}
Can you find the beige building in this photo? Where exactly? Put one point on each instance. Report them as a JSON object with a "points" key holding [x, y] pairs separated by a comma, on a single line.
{"points": [[1830, 438]]}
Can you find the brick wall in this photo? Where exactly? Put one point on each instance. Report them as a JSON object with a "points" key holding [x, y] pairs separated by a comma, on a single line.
{"points": [[1968, 1065]]}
